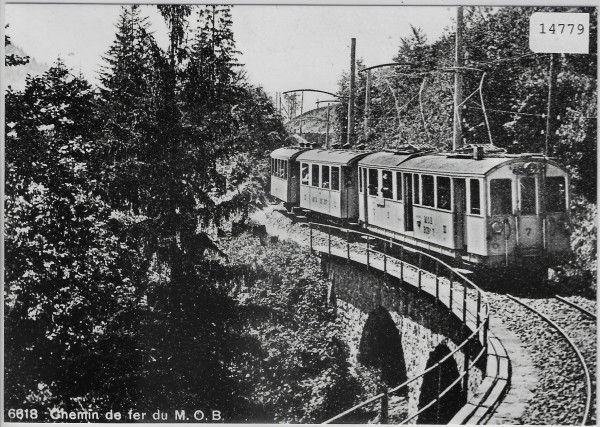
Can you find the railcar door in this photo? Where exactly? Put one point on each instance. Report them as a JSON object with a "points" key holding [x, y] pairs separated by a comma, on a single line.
{"points": [[408, 202], [460, 211], [529, 224], [365, 194]]}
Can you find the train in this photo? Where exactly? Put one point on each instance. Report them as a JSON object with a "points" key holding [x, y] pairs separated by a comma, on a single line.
{"points": [[478, 206]]}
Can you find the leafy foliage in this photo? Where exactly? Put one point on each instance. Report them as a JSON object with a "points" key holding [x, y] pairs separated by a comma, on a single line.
{"points": [[295, 361], [580, 272], [12, 60], [69, 273]]}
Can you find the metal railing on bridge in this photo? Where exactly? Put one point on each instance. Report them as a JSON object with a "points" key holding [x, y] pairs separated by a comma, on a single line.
{"points": [[428, 274]]}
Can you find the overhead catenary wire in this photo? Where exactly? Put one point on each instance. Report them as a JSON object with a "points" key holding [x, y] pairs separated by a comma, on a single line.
{"points": [[495, 61]]}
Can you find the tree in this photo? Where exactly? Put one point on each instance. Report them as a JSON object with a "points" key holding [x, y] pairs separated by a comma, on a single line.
{"points": [[70, 275], [12, 60], [129, 112]]}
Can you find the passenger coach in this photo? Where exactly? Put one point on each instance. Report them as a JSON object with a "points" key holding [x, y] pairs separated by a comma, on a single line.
{"points": [[285, 172], [491, 210], [329, 182]]}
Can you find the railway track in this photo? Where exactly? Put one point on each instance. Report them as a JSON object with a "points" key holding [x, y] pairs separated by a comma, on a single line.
{"points": [[566, 351]]}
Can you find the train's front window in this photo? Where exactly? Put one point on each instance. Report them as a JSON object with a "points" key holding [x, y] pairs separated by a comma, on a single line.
{"points": [[527, 189], [315, 175], [373, 182], [501, 195], [335, 178], [556, 194], [304, 174], [398, 185]]}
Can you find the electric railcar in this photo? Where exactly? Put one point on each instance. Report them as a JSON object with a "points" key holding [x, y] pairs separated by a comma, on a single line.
{"points": [[485, 209]]}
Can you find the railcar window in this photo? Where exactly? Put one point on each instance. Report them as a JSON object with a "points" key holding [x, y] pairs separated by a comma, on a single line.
{"points": [[335, 178], [373, 182], [527, 189], [315, 175], [427, 190], [360, 187], [272, 166], [556, 194], [386, 184], [325, 181], [305, 174], [475, 197], [398, 185], [417, 184], [443, 193], [501, 195]]}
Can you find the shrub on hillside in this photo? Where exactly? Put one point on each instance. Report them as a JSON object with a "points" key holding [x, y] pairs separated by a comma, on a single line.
{"points": [[580, 270], [295, 362]]}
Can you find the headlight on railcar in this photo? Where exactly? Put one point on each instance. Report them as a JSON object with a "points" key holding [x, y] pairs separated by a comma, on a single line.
{"points": [[530, 168], [497, 227]]}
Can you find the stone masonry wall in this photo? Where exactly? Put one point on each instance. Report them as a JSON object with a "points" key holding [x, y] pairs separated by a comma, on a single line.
{"points": [[423, 325]]}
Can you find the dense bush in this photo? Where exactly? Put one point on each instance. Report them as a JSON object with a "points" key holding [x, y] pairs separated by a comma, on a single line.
{"points": [[295, 363], [579, 271]]}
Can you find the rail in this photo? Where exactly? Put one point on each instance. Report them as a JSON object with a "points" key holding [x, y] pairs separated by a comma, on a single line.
{"points": [[578, 307], [586, 372], [408, 265]]}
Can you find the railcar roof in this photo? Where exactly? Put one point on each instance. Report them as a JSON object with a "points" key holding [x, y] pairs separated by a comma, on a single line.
{"points": [[340, 157], [385, 159], [454, 165], [287, 153]]}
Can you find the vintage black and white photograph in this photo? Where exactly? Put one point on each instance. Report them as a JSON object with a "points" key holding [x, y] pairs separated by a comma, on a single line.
{"points": [[300, 213]]}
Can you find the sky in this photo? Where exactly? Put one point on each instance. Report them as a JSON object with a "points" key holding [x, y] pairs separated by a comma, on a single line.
{"points": [[283, 47]]}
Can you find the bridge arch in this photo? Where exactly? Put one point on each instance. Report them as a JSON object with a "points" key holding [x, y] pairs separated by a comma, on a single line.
{"points": [[440, 379], [381, 347]]}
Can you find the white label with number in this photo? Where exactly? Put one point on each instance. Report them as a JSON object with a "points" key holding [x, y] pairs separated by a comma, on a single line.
{"points": [[557, 32]]}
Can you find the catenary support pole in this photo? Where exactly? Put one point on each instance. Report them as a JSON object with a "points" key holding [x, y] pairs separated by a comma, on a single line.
{"points": [[458, 63], [350, 130], [550, 107], [367, 105]]}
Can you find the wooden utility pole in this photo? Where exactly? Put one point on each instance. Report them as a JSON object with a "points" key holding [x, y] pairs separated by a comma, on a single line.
{"points": [[550, 110], [458, 63], [351, 92]]}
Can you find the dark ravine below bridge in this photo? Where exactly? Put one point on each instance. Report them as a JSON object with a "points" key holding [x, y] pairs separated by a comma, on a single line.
{"points": [[420, 334]]}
